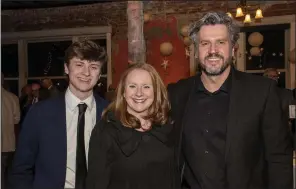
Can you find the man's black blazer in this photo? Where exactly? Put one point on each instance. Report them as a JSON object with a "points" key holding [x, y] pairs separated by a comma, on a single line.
{"points": [[258, 147]]}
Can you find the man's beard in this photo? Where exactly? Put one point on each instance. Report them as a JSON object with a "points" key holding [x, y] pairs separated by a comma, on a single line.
{"points": [[216, 72]]}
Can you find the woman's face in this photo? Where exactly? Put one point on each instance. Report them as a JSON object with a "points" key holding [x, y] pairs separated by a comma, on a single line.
{"points": [[138, 92]]}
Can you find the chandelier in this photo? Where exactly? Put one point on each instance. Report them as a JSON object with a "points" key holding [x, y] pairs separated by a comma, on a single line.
{"points": [[242, 10]]}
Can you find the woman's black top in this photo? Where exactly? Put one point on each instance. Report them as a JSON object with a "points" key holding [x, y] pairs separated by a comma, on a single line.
{"points": [[124, 158]]}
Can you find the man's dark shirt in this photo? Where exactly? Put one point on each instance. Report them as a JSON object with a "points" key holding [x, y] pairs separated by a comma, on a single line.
{"points": [[204, 137]]}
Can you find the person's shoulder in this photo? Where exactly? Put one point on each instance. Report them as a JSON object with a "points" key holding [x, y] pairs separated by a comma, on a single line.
{"points": [[104, 130], [182, 83], [10, 96], [106, 124], [254, 79], [102, 102], [46, 105], [14, 97], [286, 93], [8, 93], [110, 124]]}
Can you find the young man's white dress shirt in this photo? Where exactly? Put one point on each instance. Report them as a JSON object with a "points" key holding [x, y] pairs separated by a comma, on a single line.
{"points": [[72, 118]]}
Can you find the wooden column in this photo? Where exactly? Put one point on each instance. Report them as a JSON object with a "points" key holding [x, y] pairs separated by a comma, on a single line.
{"points": [[136, 41]]}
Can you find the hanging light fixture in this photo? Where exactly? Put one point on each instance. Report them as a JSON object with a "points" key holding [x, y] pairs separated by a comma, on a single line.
{"points": [[239, 12], [259, 14], [243, 7], [227, 12], [247, 19]]}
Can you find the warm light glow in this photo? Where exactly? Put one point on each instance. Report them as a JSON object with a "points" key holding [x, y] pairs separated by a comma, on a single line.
{"points": [[258, 14], [239, 12], [229, 14], [247, 18]]}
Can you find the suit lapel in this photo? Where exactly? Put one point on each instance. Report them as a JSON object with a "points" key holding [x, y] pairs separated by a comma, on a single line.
{"points": [[236, 97]]}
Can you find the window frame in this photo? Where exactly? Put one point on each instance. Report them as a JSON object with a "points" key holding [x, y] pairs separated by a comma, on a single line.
{"points": [[23, 38], [290, 69]]}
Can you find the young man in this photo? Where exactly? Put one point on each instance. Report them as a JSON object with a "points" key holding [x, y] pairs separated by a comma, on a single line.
{"points": [[53, 145], [231, 131]]}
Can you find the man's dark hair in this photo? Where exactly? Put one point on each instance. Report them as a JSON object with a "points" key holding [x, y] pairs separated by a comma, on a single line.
{"points": [[86, 50], [213, 18]]}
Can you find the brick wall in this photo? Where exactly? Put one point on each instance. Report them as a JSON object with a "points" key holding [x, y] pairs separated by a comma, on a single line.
{"points": [[114, 14]]}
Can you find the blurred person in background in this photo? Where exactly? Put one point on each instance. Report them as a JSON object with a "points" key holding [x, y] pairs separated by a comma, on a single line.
{"points": [[35, 93], [25, 100], [49, 90], [10, 114], [286, 95]]}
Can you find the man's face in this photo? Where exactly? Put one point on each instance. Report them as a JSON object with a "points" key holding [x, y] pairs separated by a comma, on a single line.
{"points": [[35, 92], [27, 90], [46, 83], [272, 74], [83, 75], [214, 49]]}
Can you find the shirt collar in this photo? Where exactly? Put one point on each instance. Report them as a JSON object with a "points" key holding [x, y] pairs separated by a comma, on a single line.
{"points": [[72, 101], [226, 86]]}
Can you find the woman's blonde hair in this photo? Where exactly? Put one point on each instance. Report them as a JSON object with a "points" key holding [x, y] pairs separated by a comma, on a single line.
{"points": [[158, 111]]}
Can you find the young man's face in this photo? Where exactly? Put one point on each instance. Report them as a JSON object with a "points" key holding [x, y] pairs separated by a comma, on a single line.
{"points": [[83, 75]]}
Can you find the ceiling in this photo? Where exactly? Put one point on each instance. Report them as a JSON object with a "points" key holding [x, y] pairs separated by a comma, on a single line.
{"points": [[10, 5]]}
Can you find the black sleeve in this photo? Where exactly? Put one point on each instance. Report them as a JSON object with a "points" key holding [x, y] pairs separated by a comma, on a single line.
{"points": [[100, 149], [278, 144]]}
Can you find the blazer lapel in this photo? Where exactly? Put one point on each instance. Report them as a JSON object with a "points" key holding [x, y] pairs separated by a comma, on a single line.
{"points": [[236, 95]]}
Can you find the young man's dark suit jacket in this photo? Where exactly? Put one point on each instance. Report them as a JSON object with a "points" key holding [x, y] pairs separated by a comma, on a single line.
{"points": [[258, 147], [52, 92], [41, 154]]}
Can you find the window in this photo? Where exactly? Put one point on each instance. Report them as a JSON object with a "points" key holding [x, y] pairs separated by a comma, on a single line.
{"points": [[47, 58], [102, 43], [61, 84], [9, 60], [9, 67], [272, 53], [34, 55], [272, 50]]}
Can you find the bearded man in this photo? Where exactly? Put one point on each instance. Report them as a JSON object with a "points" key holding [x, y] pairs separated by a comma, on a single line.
{"points": [[229, 126]]}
